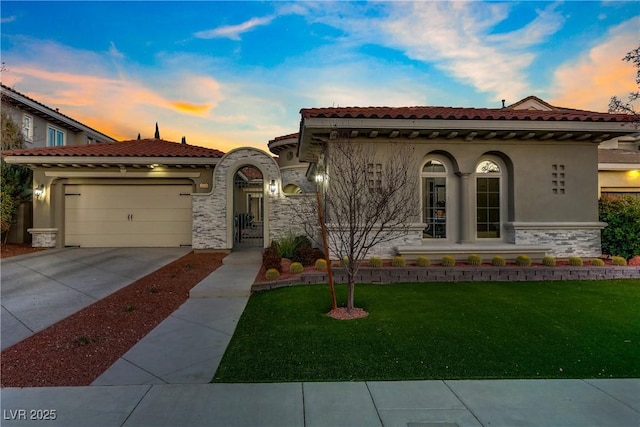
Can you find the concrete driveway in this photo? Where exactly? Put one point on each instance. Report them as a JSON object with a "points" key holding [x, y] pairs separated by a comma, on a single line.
{"points": [[42, 288]]}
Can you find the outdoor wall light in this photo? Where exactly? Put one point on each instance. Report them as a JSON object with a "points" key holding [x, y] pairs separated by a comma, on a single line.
{"points": [[319, 178], [38, 192], [273, 187]]}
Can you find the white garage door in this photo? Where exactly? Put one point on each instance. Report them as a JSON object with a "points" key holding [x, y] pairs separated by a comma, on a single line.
{"points": [[128, 215]]}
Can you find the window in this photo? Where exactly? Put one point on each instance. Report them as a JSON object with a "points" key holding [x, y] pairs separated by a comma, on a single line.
{"points": [[488, 206], [27, 127], [55, 137], [434, 196]]}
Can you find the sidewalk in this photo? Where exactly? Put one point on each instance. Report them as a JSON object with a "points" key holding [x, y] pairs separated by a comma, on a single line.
{"points": [[610, 403], [163, 381]]}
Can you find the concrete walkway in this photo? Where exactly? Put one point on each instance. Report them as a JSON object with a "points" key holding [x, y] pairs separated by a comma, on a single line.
{"points": [[186, 348], [162, 381], [42, 288]]}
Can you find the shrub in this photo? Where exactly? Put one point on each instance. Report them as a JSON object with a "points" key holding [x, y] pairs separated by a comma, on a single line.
{"points": [[287, 246], [575, 261], [597, 262], [498, 261], [345, 261], [271, 257], [321, 264], [272, 274], [398, 261], [296, 268], [622, 234], [306, 255], [549, 261], [474, 259], [448, 261], [619, 261], [375, 262], [523, 261], [423, 261]]}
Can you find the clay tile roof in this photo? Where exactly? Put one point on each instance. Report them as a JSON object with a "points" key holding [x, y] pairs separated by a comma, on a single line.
{"points": [[282, 138], [618, 156], [458, 113], [134, 148], [251, 172]]}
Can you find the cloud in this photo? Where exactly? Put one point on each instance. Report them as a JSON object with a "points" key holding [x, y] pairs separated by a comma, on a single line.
{"points": [[7, 20], [233, 32], [589, 81]]}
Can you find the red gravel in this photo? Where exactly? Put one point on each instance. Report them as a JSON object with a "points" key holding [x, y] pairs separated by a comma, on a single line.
{"points": [[78, 349]]}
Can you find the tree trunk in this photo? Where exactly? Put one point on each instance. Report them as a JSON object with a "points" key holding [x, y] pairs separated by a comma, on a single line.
{"points": [[351, 287]]}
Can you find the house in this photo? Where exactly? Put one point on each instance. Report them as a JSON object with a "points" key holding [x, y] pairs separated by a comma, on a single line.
{"points": [[618, 158], [509, 181], [45, 127]]}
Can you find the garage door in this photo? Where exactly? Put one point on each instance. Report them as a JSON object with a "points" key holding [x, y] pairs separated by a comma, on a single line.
{"points": [[128, 215]]}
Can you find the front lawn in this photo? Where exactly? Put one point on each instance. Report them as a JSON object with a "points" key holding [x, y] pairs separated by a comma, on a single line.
{"points": [[586, 329]]}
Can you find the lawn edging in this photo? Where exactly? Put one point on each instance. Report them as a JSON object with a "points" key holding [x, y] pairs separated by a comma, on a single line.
{"points": [[388, 275]]}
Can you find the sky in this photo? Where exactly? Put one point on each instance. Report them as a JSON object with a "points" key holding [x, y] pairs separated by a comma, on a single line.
{"points": [[237, 73]]}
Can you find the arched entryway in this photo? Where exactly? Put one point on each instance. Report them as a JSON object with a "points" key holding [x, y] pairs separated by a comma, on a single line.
{"points": [[248, 207]]}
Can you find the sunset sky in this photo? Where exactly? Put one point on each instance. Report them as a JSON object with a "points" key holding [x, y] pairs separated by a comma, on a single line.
{"points": [[229, 74]]}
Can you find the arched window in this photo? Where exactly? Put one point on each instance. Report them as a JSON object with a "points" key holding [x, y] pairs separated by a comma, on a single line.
{"points": [[488, 200], [434, 199], [291, 189]]}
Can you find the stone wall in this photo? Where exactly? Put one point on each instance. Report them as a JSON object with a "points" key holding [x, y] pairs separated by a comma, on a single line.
{"points": [[297, 176], [565, 240], [212, 218], [459, 274]]}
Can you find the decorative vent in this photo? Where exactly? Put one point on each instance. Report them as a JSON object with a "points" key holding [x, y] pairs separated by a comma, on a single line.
{"points": [[558, 179]]}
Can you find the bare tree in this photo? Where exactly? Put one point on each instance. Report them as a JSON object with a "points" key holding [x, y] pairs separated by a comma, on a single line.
{"points": [[617, 105], [370, 199]]}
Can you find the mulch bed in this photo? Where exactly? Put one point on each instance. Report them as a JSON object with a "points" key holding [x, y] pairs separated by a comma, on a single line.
{"points": [[78, 349], [13, 249]]}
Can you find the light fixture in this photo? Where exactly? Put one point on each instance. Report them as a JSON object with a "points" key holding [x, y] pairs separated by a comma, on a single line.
{"points": [[273, 187], [38, 192], [319, 178]]}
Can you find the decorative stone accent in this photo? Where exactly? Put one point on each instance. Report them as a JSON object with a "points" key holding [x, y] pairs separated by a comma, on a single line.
{"points": [[563, 239], [389, 248], [212, 220], [43, 237]]}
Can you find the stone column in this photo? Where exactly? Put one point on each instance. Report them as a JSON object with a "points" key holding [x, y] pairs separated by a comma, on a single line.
{"points": [[465, 207]]}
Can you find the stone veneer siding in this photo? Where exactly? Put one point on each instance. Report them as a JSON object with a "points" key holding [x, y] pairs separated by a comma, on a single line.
{"points": [[565, 240], [390, 275], [43, 237], [211, 222], [389, 249], [296, 175]]}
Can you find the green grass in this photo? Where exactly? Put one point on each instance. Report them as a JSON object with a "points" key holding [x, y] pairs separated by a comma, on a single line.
{"points": [[586, 329]]}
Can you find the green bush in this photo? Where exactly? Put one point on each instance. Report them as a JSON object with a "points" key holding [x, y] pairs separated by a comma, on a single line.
{"points": [[306, 255], [345, 261], [622, 234], [575, 261], [448, 261], [474, 259], [375, 262], [296, 268], [597, 262], [398, 261], [523, 261], [423, 261], [549, 261], [272, 274], [321, 264], [619, 261], [498, 261]]}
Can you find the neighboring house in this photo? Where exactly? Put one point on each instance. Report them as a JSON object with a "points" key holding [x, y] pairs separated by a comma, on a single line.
{"points": [[508, 182], [45, 127], [618, 158], [619, 167]]}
